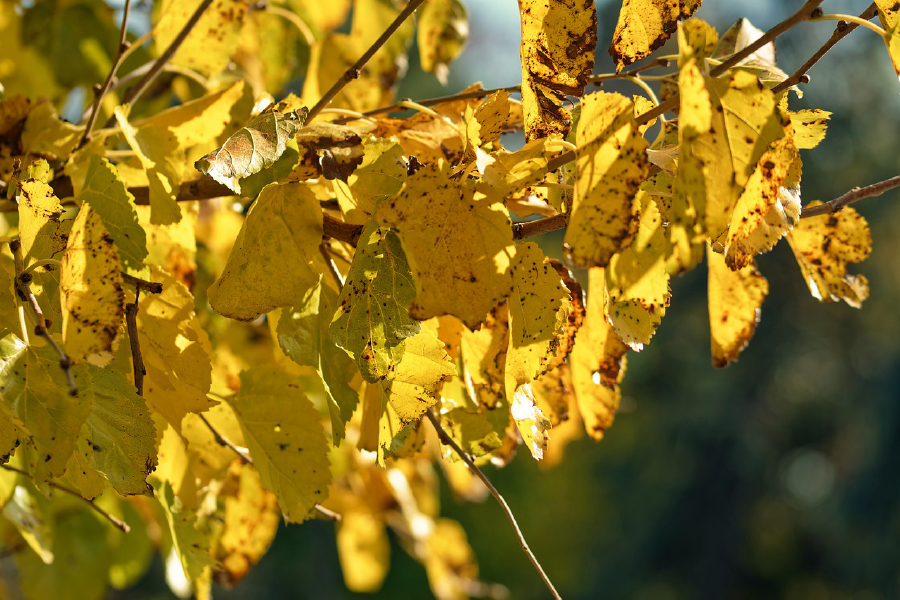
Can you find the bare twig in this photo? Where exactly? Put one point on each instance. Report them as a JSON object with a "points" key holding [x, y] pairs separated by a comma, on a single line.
{"points": [[854, 195], [447, 440], [42, 328], [137, 359], [329, 262], [141, 86], [245, 458], [118, 523], [840, 32], [153, 287], [804, 13], [100, 91], [539, 226], [353, 72]]}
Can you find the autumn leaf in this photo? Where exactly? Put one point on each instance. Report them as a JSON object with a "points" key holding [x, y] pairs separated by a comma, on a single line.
{"points": [[201, 120], [380, 175], [48, 135], [335, 149], [735, 298], [40, 232], [809, 127], [303, 333], [363, 549], [272, 262], [486, 122], [190, 544], [443, 28], [612, 163], [533, 426], [285, 439], [91, 287], [458, 246], [558, 42], [210, 44], [761, 62], [598, 362], [252, 148], [644, 26], [372, 320], [889, 14], [109, 199], [824, 246]]}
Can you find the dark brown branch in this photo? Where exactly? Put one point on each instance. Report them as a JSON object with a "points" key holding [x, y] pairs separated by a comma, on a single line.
{"points": [[42, 328], [840, 32], [447, 440], [804, 13], [245, 458], [154, 287], [539, 226], [353, 72], [101, 91], [118, 523], [141, 86], [137, 359], [854, 195]]}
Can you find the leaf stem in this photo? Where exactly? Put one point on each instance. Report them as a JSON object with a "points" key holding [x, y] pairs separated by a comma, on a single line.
{"points": [[329, 262], [447, 440], [851, 19], [101, 91], [23, 287], [47, 262], [245, 458], [854, 195], [118, 523], [840, 32], [354, 71]]}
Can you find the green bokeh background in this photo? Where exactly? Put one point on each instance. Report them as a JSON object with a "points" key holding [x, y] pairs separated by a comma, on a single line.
{"points": [[778, 477]]}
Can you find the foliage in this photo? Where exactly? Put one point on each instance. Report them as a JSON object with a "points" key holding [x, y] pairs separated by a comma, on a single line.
{"points": [[219, 310]]}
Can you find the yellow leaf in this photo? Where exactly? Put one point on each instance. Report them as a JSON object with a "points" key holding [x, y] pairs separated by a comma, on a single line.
{"points": [[533, 425], [824, 246], [39, 230], [211, 42], [162, 157], [363, 549], [321, 16], [486, 122], [443, 28], [484, 359], [191, 545], [202, 120], [46, 134], [612, 162], [91, 287], [598, 362], [449, 561], [809, 127], [760, 62], [249, 523], [559, 38], [764, 212], [285, 438], [380, 175], [458, 247], [735, 298], [644, 26], [889, 14], [637, 281], [272, 262]]}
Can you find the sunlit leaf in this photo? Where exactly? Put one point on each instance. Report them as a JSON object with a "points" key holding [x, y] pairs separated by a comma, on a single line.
{"points": [[644, 26], [735, 298], [211, 42], [443, 28]]}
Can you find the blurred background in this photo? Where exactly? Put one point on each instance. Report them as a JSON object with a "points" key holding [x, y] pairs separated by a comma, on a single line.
{"points": [[778, 477]]}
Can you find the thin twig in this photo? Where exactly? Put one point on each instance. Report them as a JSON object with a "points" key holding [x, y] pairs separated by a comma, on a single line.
{"points": [[118, 523], [329, 262], [447, 440], [354, 71], [141, 86], [153, 287], [840, 32], [100, 92], [804, 13], [539, 226], [137, 359], [245, 458], [854, 195], [42, 328]]}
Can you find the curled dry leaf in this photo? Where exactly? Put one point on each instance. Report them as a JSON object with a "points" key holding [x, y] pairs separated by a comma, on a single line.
{"points": [[337, 149]]}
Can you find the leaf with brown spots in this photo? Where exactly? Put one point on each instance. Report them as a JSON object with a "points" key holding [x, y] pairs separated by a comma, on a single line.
{"points": [[91, 287], [598, 362], [824, 246], [735, 298], [644, 26], [809, 126], [889, 14], [612, 162], [211, 42], [459, 247], [285, 438], [558, 42]]}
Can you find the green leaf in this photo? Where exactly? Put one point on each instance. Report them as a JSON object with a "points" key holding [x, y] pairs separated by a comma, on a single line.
{"points": [[303, 335], [107, 195], [191, 545], [273, 259], [252, 148], [372, 320], [31, 515], [285, 438]]}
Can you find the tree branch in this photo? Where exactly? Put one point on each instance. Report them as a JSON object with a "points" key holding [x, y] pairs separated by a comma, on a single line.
{"points": [[118, 523], [353, 72], [42, 328], [245, 458], [854, 195], [840, 32], [153, 287], [141, 86], [447, 440], [101, 91], [804, 13], [137, 359], [329, 263]]}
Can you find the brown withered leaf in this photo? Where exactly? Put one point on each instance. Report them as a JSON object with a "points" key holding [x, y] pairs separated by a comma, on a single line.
{"points": [[336, 149]]}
